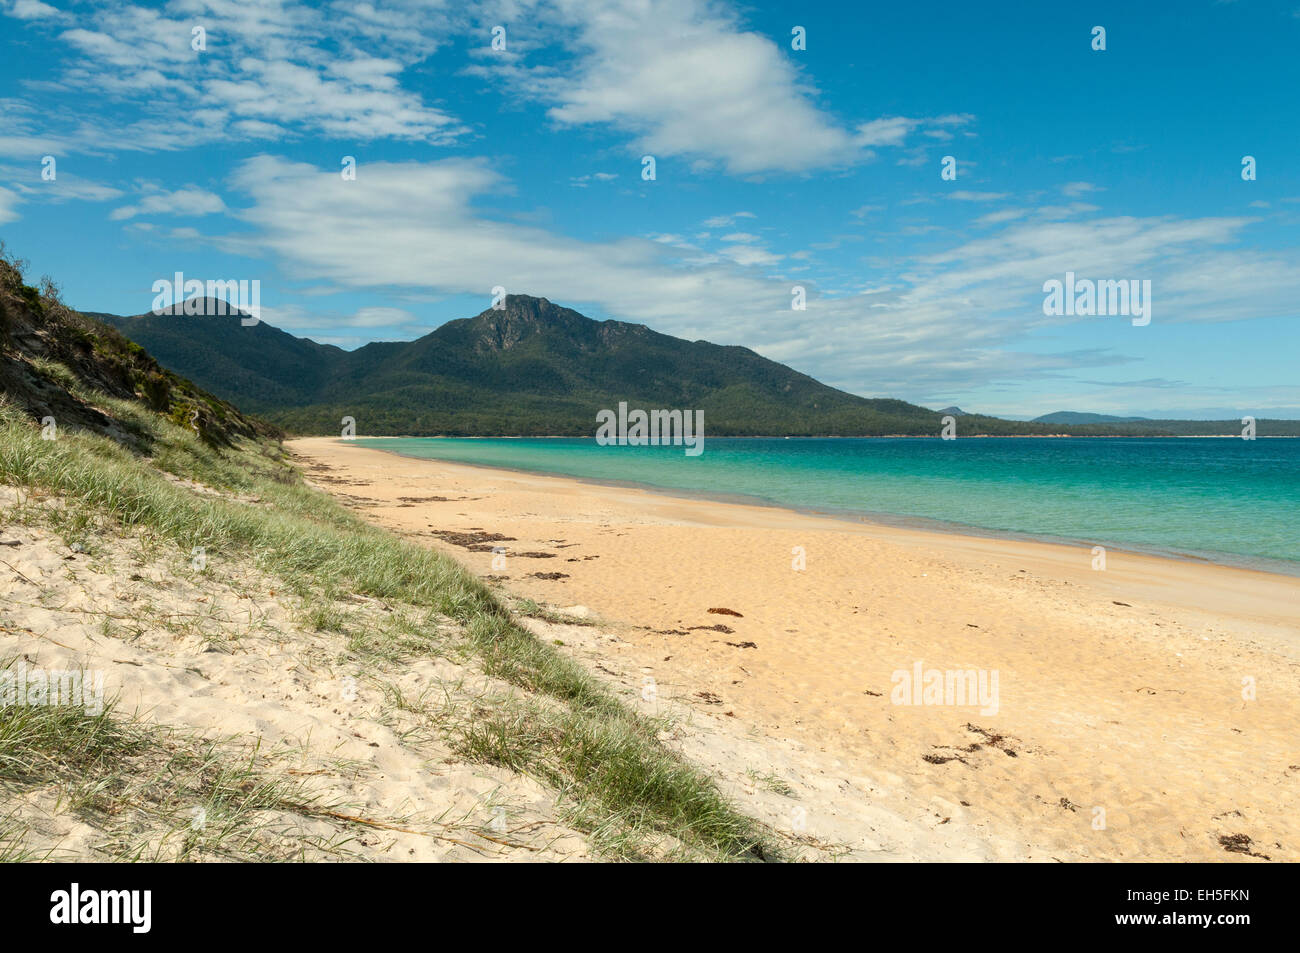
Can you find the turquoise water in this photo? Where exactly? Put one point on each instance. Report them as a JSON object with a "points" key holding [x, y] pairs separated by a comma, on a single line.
{"points": [[1226, 499]]}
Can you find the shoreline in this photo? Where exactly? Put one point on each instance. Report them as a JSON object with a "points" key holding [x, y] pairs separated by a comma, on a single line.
{"points": [[1119, 690], [1249, 563]]}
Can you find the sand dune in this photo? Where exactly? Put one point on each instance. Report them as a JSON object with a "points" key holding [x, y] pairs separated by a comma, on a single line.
{"points": [[224, 656]]}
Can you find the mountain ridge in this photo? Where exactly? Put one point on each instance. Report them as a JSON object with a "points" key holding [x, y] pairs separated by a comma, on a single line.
{"points": [[528, 368], [1077, 417]]}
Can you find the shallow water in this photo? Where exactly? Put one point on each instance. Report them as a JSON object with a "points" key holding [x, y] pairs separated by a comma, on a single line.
{"points": [[1226, 499]]}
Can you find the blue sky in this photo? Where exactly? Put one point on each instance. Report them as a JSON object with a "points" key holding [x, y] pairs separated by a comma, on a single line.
{"points": [[775, 167]]}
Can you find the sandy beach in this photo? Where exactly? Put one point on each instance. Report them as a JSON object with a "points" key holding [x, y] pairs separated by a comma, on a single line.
{"points": [[1143, 712]]}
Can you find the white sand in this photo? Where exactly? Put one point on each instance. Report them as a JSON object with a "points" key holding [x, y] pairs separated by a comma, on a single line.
{"points": [[1124, 731]]}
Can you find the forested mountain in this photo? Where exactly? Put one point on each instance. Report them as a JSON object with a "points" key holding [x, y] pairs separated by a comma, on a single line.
{"points": [[531, 368]]}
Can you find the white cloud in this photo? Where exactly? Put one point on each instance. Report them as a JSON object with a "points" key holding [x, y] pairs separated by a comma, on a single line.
{"points": [[682, 78], [893, 130], [885, 132], [379, 317], [32, 10], [1075, 189], [1064, 211], [409, 225], [189, 201], [28, 186], [722, 221], [1002, 216], [582, 181], [8, 206], [1042, 213], [63, 188], [296, 318], [945, 321], [19, 137], [270, 69], [749, 255]]}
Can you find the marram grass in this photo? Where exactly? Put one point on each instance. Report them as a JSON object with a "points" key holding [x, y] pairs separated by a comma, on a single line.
{"points": [[573, 733]]}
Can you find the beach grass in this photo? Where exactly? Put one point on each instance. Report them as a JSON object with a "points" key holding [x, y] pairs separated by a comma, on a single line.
{"points": [[561, 726], [155, 793]]}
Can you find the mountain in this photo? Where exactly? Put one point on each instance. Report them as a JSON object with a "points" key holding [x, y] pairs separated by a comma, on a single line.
{"points": [[257, 365], [530, 368], [1159, 427], [1073, 417], [955, 411]]}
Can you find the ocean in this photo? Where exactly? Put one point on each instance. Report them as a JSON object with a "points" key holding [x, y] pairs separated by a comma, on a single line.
{"points": [[1228, 500]]}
